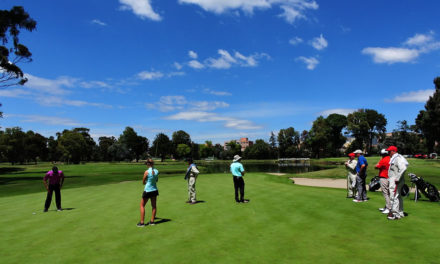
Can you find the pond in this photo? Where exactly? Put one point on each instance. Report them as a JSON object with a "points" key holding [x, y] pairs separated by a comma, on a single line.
{"points": [[261, 167]]}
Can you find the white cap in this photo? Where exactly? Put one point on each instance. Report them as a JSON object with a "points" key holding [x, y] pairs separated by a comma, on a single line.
{"points": [[358, 151], [383, 152]]}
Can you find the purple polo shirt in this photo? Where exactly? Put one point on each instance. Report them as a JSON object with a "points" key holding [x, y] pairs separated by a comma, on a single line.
{"points": [[54, 178]]}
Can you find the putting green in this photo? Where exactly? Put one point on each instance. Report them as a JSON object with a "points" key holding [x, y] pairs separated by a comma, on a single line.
{"points": [[283, 223]]}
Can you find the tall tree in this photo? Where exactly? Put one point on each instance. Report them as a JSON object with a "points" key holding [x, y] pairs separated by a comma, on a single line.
{"points": [[183, 150], [232, 149], [104, 144], [273, 145], [288, 142], [405, 139], [136, 145], [161, 146], [428, 120], [180, 137], [318, 137], [206, 150], [336, 123], [13, 141], [76, 145], [259, 150], [377, 127], [11, 22], [36, 146]]}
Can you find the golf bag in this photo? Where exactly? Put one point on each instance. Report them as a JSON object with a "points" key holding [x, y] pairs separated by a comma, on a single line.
{"points": [[374, 184], [428, 190]]}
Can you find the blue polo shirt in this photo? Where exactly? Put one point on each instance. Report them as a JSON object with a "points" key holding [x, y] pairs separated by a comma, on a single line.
{"points": [[361, 161], [236, 169]]}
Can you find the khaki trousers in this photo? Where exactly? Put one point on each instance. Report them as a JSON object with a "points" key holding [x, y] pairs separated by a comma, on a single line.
{"points": [[351, 188], [385, 187], [192, 189]]}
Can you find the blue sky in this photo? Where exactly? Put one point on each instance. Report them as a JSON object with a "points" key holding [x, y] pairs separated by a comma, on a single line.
{"points": [[221, 69]]}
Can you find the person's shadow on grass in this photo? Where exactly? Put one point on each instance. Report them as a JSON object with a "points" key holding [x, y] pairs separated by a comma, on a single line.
{"points": [[161, 220]]}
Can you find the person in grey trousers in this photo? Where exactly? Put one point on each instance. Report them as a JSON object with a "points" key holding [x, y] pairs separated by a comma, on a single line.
{"points": [[361, 169]]}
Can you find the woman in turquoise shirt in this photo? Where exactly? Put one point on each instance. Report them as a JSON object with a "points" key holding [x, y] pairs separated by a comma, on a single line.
{"points": [[150, 192]]}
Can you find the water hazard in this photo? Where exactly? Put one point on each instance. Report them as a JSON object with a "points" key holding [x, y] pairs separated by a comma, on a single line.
{"points": [[262, 167]]}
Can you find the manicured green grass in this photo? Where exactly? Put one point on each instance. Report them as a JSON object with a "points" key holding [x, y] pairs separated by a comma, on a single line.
{"points": [[283, 223]]}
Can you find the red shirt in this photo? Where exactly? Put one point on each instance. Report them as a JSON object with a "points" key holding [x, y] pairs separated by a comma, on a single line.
{"points": [[54, 178], [383, 166]]}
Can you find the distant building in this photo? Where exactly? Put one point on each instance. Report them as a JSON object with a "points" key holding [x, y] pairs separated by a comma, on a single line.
{"points": [[243, 142]]}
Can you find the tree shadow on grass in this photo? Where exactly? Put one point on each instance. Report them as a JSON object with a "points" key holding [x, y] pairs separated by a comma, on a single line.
{"points": [[10, 170], [10, 180]]}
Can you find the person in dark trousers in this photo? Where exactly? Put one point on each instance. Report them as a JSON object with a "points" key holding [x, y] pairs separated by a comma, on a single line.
{"points": [[237, 171], [56, 180], [361, 169]]}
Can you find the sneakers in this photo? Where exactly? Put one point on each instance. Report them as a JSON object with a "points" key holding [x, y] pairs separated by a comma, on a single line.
{"points": [[151, 223], [382, 209], [45, 210], [140, 224], [59, 210], [245, 201], [357, 201], [386, 211], [193, 202], [392, 216]]}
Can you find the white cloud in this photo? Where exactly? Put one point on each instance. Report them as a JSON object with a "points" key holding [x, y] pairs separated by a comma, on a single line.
{"points": [[192, 54], [98, 22], [226, 60], [218, 93], [293, 10], [310, 62], [412, 48], [172, 74], [141, 8], [208, 106], [295, 41], [341, 111], [13, 93], [56, 101], [420, 96], [53, 87], [196, 64], [420, 39], [47, 120], [178, 66], [169, 103], [150, 75], [202, 116], [391, 55], [91, 84], [178, 102], [319, 43]]}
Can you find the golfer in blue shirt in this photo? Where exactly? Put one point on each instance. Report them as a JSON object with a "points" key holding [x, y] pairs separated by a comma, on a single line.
{"points": [[237, 171], [361, 169]]}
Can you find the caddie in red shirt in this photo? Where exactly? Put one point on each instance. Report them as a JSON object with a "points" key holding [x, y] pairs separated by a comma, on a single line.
{"points": [[383, 165]]}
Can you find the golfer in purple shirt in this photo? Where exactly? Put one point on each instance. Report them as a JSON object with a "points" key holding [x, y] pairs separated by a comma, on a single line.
{"points": [[56, 180]]}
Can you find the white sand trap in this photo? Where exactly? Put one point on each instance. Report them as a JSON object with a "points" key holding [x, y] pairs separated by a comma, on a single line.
{"points": [[331, 183]]}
